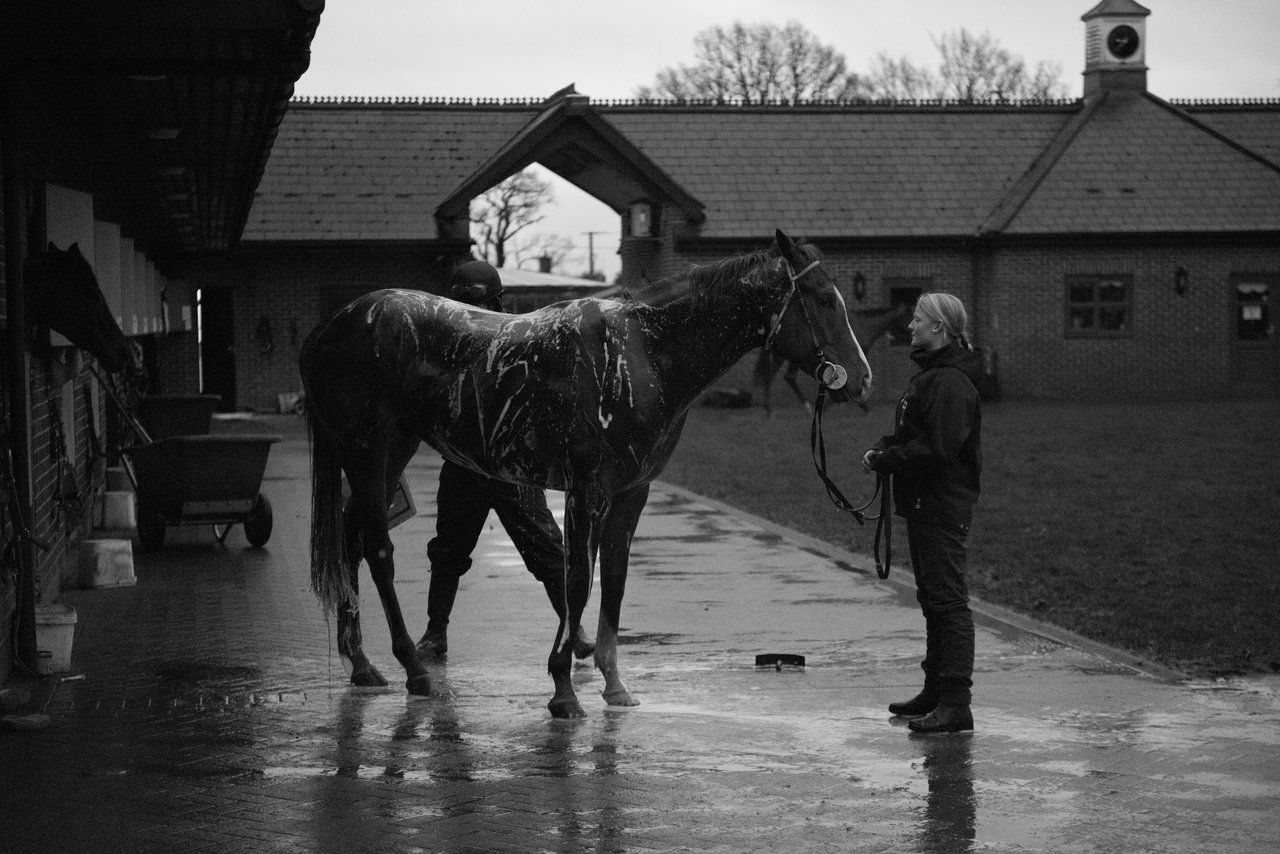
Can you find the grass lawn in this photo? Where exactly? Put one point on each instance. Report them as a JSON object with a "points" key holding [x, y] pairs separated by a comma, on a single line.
{"points": [[1152, 527]]}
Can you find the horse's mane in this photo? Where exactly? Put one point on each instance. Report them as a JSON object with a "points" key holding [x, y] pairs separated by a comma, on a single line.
{"points": [[702, 280]]}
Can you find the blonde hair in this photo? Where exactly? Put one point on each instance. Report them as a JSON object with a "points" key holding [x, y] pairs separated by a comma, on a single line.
{"points": [[949, 311]]}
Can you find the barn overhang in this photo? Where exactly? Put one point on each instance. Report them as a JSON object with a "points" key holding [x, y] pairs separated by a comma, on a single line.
{"points": [[164, 112]]}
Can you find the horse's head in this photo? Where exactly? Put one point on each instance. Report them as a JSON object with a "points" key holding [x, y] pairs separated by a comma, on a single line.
{"points": [[810, 327], [63, 294]]}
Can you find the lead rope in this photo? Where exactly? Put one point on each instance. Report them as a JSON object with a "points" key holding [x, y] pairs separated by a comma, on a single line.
{"points": [[884, 489]]}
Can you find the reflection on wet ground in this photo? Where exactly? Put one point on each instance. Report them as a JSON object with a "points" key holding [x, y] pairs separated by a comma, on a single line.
{"points": [[214, 716]]}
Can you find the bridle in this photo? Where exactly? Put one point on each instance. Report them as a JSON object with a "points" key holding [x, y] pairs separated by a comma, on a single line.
{"points": [[828, 373], [831, 375]]}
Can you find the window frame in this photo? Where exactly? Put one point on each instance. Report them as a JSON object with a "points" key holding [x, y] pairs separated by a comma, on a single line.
{"points": [[1097, 305]]}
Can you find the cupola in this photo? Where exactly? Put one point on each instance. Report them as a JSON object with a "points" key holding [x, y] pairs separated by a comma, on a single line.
{"points": [[1115, 47]]}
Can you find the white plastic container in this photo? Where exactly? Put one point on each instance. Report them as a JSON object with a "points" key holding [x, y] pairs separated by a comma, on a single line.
{"points": [[55, 628]]}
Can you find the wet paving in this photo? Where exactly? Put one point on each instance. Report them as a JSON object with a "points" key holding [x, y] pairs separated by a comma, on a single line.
{"points": [[214, 715]]}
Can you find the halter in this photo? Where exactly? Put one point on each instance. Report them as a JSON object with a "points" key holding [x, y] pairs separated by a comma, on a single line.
{"points": [[828, 373]]}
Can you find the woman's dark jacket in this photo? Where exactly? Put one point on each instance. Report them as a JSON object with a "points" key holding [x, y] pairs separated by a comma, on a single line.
{"points": [[935, 452]]}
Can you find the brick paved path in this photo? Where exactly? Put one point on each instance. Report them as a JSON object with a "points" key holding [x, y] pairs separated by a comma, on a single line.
{"points": [[214, 716]]}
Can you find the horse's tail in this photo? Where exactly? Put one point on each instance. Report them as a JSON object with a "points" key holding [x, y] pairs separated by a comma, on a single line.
{"points": [[330, 576]]}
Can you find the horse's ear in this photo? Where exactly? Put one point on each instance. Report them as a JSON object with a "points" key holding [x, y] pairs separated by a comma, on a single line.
{"points": [[74, 249], [787, 247], [52, 248]]}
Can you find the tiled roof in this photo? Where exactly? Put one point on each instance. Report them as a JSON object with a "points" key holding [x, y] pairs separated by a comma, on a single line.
{"points": [[1138, 165], [852, 172], [1133, 163], [372, 172], [1256, 126]]}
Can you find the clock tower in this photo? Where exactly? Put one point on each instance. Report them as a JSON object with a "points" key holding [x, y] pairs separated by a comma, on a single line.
{"points": [[1115, 47]]}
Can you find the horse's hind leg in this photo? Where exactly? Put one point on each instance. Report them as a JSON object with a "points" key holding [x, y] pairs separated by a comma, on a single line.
{"points": [[350, 641], [615, 551], [369, 507]]}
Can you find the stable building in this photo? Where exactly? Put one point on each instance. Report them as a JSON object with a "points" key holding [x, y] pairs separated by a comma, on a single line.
{"points": [[136, 132], [1115, 245]]}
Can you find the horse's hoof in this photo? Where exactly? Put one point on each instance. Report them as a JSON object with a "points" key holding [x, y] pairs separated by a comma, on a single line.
{"points": [[569, 709], [619, 698], [419, 686], [368, 677]]}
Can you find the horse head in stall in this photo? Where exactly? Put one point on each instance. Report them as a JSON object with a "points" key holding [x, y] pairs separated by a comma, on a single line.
{"points": [[587, 396], [62, 293]]}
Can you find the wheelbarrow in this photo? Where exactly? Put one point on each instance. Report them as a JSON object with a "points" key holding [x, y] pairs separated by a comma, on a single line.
{"points": [[166, 415], [191, 480]]}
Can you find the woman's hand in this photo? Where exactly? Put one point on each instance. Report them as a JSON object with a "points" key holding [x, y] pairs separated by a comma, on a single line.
{"points": [[869, 460]]}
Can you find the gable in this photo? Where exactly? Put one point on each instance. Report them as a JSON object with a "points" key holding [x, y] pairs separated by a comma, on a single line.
{"points": [[1139, 166]]}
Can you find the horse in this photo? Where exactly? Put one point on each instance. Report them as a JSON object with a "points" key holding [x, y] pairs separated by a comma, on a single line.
{"points": [[877, 323], [62, 293], [587, 396]]}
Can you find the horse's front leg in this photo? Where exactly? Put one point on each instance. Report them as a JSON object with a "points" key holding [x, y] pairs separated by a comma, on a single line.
{"points": [[583, 511], [615, 551]]}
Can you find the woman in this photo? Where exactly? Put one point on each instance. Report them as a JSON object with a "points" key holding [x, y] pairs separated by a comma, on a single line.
{"points": [[935, 458]]}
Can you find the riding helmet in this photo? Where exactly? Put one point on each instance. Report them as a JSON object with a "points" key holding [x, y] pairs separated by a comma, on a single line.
{"points": [[475, 283]]}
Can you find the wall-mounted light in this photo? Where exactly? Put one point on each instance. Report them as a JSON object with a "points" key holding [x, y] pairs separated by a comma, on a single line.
{"points": [[859, 286], [1180, 277]]}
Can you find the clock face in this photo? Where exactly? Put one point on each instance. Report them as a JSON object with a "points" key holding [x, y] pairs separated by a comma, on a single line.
{"points": [[1122, 41]]}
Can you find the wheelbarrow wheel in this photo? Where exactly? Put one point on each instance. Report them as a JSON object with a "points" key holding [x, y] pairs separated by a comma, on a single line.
{"points": [[150, 526], [257, 525]]}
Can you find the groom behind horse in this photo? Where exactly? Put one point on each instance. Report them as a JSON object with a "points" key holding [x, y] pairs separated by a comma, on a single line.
{"points": [[464, 499]]}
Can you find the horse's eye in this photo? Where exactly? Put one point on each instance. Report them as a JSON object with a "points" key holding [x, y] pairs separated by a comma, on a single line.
{"points": [[825, 301]]}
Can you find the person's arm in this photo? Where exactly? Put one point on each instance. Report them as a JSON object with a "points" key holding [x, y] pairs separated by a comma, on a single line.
{"points": [[947, 420]]}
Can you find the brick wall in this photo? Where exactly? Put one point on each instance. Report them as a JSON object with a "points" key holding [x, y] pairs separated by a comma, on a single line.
{"points": [[292, 289], [1180, 346]]}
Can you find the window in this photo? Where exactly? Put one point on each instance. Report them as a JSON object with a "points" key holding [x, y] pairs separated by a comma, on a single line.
{"points": [[1099, 306], [904, 292]]}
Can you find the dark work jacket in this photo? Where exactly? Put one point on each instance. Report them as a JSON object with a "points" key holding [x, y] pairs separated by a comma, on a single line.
{"points": [[935, 452]]}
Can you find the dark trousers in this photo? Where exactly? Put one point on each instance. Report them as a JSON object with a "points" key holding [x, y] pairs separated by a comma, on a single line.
{"points": [[938, 558], [463, 502]]}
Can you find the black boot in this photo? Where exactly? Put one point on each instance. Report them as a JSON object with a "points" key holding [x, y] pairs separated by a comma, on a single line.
{"points": [[921, 704], [440, 596], [945, 718]]}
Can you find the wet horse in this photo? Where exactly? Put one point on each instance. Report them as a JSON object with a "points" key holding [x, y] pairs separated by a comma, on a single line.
{"points": [[874, 324], [587, 396], [61, 292]]}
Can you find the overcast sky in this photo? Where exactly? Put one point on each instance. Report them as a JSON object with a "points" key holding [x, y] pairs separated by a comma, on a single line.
{"points": [[531, 48]]}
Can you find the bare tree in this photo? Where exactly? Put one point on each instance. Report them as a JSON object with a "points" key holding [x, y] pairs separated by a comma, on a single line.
{"points": [[971, 68], [505, 210], [900, 79], [554, 247], [758, 62]]}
